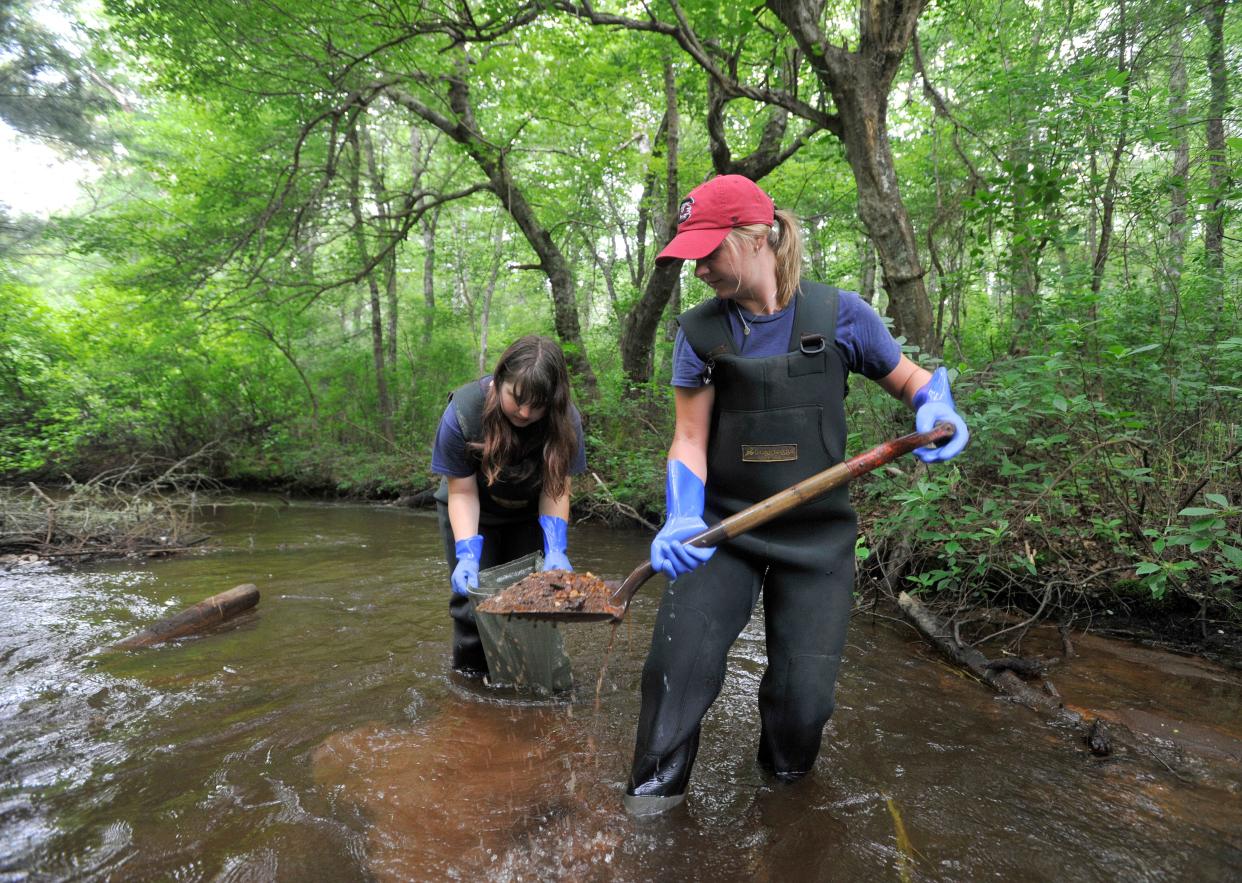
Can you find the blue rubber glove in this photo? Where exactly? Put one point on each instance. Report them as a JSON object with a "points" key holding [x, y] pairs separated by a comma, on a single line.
{"points": [[555, 542], [933, 404], [466, 573], [683, 495]]}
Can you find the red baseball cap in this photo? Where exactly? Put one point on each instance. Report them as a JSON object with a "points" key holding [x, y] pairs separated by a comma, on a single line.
{"points": [[713, 209]]}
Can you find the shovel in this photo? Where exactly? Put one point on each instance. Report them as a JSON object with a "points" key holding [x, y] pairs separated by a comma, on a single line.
{"points": [[535, 596]]}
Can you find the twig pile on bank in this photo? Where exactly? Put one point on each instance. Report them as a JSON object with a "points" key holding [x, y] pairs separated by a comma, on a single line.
{"points": [[130, 511]]}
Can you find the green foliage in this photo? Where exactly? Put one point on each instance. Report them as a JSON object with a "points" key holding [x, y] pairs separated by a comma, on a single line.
{"points": [[1075, 479], [37, 420], [628, 431], [1201, 540]]}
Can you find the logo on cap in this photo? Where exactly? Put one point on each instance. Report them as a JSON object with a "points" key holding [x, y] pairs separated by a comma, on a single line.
{"points": [[683, 213]]}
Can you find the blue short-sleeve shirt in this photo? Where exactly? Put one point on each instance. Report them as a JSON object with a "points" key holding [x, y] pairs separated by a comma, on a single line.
{"points": [[450, 454], [868, 346]]}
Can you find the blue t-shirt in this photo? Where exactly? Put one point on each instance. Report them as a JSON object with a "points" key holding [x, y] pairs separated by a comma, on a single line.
{"points": [[867, 345], [450, 455]]}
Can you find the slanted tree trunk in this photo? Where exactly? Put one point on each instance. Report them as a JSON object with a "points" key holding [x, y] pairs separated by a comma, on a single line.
{"points": [[491, 160], [285, 347]]}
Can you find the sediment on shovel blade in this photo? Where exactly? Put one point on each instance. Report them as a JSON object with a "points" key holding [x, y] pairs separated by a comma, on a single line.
{"points": [[554, 592]]}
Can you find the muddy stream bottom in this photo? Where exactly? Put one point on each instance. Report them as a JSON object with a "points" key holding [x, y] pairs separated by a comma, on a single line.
{"points": [[322, 737]]}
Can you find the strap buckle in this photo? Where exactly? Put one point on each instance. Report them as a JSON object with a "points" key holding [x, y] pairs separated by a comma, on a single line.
{"points": [[812, 344]]}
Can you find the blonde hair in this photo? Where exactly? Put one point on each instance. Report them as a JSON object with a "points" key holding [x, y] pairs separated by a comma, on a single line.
{"points": [[785, 240]]}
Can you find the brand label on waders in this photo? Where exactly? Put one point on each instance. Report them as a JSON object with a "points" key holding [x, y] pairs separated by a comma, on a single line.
{"points": [[769, 453], [509, 504]]}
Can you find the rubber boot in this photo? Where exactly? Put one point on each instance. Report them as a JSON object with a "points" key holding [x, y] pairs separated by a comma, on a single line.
{"points": [[468, 658], [657, 784], [647, 805]]}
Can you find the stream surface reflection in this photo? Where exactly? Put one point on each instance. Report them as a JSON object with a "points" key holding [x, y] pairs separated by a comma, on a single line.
{"points": [[321, 737]]}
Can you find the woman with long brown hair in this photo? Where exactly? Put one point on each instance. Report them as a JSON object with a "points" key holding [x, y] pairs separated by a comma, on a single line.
{"points": [[507, 446]]}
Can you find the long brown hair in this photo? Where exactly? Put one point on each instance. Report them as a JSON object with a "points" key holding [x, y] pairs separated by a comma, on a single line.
{"points": [[536, 367]]}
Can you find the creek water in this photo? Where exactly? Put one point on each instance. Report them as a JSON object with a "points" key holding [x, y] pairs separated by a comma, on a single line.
{"points": [[321, 736]]}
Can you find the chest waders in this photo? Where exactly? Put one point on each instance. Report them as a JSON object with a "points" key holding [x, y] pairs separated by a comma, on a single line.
{"points": [[508, 522], [776, 420]]}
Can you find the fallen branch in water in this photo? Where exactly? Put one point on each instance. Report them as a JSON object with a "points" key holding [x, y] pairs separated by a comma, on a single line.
{"points": [[1000, 679], [1097, 732]]}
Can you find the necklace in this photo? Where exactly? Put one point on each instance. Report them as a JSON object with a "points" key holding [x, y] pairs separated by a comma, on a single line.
{"points": [[742, 319]]}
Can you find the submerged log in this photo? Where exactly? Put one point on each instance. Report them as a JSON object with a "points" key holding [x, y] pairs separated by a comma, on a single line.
{"points": [[213, 610]]}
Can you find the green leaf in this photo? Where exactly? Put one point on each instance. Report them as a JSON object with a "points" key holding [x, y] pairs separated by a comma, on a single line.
{"points": [[1147, 567], [1197, 510]]}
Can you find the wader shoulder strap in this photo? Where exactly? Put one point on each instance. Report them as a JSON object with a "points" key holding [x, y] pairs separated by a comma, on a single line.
{"points": [[469, 401], [815, 317], [707, 330]]}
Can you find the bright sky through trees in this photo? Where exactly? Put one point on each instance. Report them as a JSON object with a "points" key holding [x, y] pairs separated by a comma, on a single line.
{"points": [[37, 180]]}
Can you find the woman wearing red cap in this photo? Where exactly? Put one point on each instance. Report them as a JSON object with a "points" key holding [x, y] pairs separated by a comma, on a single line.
{"points": [[759, 382]]}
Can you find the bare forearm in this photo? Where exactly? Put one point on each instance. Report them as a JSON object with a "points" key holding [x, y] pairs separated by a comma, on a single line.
{"points": [[904, 381], [557, 506], [694, 411], [463, 507]]}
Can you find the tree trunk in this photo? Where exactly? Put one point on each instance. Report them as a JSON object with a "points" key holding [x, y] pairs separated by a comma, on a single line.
{"points": [[204, 614], [866, 276], [429, 277], [427, 224], [1109, 199], [1023, 252], [377, 324], [389, 232], [488, 292], [1179, 200], [1217, 159], [639, 327], [864, 113], [859, 83]]}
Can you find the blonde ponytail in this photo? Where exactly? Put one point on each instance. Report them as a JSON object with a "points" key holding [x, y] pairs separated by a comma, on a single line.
{"points": [[785, 239]]}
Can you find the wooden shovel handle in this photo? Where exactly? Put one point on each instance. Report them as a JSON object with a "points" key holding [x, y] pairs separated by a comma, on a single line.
{"points": [[819, 484], [803, 492]]}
